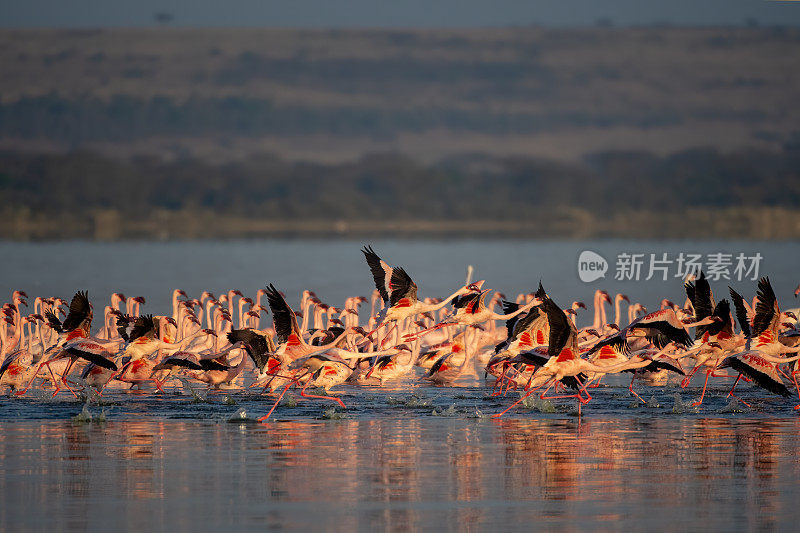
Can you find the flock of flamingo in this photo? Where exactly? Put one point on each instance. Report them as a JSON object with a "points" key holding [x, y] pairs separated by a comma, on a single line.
{"points": [[539, 351]]}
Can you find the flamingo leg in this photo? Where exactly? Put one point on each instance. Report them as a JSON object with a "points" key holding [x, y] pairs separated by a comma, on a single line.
{"points": [[511, 383], [580, 398], [687, 379], [304, 395], [583, 389], [35, 375], [794, 378], [597, 383], [120, 372], [386, 335], [703, 395], [630, 388], [420, 333], [499, 381], [730, 393], [513, 405], [55, 381], [523, 397], [158, 385], [505, 381], [64, 377], [266, 417]]}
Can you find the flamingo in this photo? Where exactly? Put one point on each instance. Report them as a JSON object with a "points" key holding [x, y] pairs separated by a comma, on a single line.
{"points": [[397, 289], [76, 343]]}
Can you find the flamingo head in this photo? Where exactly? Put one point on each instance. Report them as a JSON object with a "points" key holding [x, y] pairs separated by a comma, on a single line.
{"points": [[790, 315], [360, 331], [209, 332], [624, 298], [474, 287]]}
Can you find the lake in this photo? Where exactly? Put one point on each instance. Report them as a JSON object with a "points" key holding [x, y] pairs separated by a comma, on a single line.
{"points": [[416, 457]]}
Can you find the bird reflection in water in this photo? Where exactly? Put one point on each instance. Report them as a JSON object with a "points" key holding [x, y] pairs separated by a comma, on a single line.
{"points": [[400, 473]]}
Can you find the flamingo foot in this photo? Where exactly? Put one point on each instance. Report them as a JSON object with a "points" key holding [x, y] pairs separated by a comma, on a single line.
{"points": [[637, 396], [744, 402], [266, 417], [498, 415]]}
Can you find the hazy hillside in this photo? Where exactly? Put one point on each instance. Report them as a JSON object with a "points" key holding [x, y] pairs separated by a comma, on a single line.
{"points": [[335, 95], [649, 132]]}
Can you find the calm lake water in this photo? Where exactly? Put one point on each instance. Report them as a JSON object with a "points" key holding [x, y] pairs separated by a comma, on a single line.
{"points": [[335, 269], [419, 457]]}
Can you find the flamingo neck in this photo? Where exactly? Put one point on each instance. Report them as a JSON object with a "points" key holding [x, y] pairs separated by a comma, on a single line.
{"points": [[596, 324], [435, 307]]}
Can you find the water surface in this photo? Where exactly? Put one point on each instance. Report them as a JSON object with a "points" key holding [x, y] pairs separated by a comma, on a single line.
{"points": [[444, 473], [416, 457]]}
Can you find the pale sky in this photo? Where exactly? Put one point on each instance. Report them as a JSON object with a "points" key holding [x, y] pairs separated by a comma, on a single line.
{"points": [[394, 13]]}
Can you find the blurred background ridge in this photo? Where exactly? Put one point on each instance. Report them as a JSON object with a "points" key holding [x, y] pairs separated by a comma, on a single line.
{"points": [[568, 119]]}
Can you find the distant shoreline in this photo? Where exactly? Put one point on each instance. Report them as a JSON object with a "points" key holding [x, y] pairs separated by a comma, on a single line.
{"points": [[572, 224]]}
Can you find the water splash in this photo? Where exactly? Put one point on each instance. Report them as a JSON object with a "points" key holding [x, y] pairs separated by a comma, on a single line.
{"points": [[418, 401], [450, 411], [229, 400], [679, 407], [534, 403], [196, 397], [288, 401], [84, 417], [332, 414], [239, 416], [734, 406], [414, 400], [653, 403]]}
